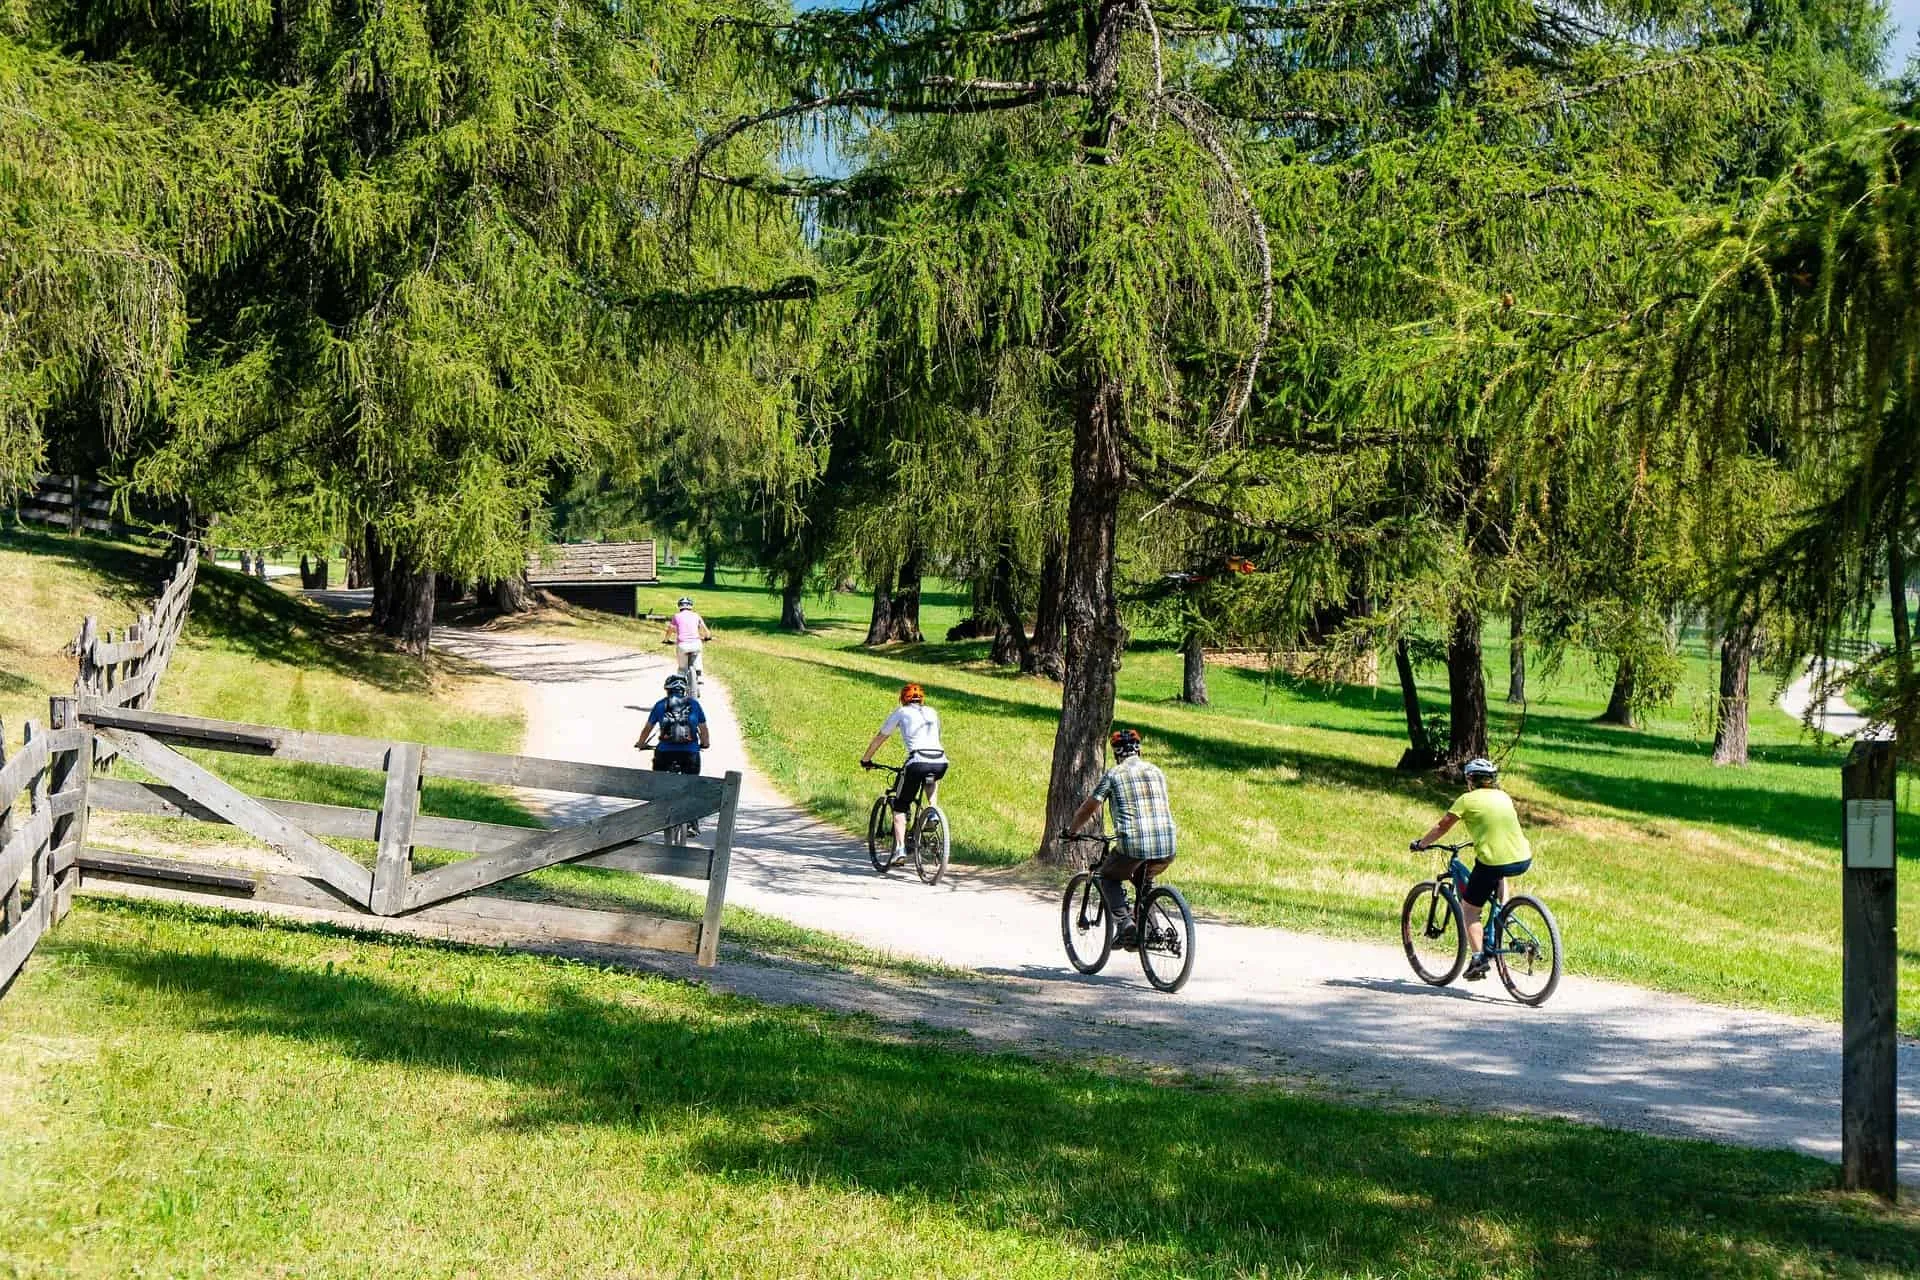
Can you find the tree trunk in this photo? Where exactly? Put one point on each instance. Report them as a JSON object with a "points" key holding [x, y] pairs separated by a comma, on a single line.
{"points": [[1193, 671], [1010, 645], [1048, 656], [1517, 653], [1466, 689], [707, 571], [409, 594], [357, 577], [1094, 636], [1736, 665], [793, 614], [880, 626], [508, 595], [379, 577], [1897, 607], [905, 624], [1620, 704], [1419, 753]]}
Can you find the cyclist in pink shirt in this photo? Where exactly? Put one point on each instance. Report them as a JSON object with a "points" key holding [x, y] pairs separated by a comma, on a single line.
{"points": [[687, 632]]}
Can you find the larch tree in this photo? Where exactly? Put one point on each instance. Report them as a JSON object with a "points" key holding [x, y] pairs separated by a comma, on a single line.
{"points": [[464, 279]]}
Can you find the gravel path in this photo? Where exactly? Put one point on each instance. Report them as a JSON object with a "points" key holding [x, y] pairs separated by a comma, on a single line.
{"points": [[1264, 1002], [1836, 715]]}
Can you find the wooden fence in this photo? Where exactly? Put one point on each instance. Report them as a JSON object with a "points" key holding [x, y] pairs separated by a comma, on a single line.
{"points": [[125, 671], [645, 837], [72, 503], [43, 808]]}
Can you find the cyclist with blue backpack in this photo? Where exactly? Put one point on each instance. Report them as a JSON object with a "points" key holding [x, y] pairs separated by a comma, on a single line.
{"points": [[682, 729]]}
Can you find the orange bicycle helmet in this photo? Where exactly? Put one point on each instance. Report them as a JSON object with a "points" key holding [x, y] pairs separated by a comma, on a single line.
{"points": [[912, 693], [1125, 742]]}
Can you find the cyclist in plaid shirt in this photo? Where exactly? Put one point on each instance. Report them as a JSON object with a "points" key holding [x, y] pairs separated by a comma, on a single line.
{"points": [[1136, 791]]}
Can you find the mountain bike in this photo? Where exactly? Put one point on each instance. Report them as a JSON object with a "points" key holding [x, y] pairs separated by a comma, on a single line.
{"points": [[928, 839], [1522, 937], [1163, 923], [690, 667]]}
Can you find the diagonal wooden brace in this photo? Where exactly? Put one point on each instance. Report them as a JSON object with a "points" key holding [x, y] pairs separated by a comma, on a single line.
{"points": [[549, 848], [243, 811]]}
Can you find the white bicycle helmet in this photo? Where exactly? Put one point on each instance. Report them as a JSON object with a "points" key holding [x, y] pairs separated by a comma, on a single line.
{"points": [[1480, 767]]}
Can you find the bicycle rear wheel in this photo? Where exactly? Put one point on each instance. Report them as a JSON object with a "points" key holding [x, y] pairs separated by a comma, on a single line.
{"points": [[930, 844], [1430, 931], [880, 835], [1166, 938], [1528, 952], [1085, 926]]}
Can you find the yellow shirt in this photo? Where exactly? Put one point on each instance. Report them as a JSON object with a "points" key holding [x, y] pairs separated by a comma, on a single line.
{"points": [[1495, 827]]}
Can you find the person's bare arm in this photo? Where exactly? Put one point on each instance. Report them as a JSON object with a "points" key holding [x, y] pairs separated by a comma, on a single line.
{"points": [[646, 736], [1440, 828], [706, 739], [1084, 814], [706, 632], [879, 741]]}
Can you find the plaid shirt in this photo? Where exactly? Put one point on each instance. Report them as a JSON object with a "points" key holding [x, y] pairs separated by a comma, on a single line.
{"points": [[1136, 792]]}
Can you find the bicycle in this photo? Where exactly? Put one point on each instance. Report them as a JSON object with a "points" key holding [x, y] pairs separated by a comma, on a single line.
{"points": [[1161, 916], [928, 837], [1522, 937], [690, 667]]}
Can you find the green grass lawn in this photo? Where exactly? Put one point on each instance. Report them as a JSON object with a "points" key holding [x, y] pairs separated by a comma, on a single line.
{"points": [[189, 1096], [1664, 870]]}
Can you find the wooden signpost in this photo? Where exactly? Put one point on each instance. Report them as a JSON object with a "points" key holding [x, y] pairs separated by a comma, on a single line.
{"points": [[1870, 979]]}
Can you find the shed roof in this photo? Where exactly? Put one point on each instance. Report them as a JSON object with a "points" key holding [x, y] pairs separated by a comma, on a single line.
{"points": [[600, 562]]}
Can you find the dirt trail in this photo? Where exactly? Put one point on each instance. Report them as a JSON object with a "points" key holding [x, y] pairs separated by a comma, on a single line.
{"points": [[1262, 1001]]}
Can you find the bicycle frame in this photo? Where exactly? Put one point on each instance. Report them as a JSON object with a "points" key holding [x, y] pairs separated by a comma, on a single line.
{"points": [[1449, 882]]}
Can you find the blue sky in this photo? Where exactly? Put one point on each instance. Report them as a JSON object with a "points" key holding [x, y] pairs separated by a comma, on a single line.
{"points": [[1906, 19]]}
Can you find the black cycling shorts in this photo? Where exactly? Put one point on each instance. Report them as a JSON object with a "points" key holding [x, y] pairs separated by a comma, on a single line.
{"points": [[677, 762], [1485, 880], [916, 775]]}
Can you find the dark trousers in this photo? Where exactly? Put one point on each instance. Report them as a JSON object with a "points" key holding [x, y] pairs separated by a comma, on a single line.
{"points": [[1112, 875]]}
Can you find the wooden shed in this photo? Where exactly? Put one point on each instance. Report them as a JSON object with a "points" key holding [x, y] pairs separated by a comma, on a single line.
{"points": [[595, 575]]}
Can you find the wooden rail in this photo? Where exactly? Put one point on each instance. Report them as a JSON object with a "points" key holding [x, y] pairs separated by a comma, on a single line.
{"points": [[43, 809], [125, 671], [646, 837]]}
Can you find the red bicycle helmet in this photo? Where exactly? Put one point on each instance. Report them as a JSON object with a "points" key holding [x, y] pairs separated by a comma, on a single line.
{"points": [[1125, 742]]}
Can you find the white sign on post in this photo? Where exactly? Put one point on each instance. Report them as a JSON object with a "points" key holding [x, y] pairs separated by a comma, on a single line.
{"points": [[1869, 843]]}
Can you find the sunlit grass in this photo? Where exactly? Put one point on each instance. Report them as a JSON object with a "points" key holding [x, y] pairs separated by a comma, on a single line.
{"points": [[188, 1096]]}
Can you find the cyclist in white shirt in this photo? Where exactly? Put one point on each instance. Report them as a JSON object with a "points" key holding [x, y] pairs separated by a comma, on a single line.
{"points": [[687, 631], [919, 728]]}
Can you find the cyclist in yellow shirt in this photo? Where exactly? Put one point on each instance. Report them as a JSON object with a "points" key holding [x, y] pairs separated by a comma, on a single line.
{"points": [[1500, 848]]}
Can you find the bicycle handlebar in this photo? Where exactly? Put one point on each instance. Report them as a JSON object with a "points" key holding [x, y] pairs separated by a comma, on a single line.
{"points": [[875, 764], [1087, 835], [1417, 847]]}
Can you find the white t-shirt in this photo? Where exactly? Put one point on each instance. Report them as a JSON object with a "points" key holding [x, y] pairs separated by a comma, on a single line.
{"points": [[919, 728]]}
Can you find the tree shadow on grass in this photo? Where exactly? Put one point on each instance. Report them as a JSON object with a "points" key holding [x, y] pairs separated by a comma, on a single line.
{"points": [[1728, 800], [1223, 1180]]}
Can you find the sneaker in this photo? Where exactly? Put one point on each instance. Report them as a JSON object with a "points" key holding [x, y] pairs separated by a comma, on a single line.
{"points": [[1128, 939], [1477, 969], [899, 856]]}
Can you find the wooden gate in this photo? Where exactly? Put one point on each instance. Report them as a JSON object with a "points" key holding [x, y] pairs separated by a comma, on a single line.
{"points": [[43, 789], [641, 837]]}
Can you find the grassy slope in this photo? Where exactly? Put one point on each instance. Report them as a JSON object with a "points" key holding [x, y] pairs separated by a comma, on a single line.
{"points": [[254, 653], [1663, 869], [187, 1098]]}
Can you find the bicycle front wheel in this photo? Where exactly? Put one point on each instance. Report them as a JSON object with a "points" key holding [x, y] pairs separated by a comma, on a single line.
{"points": [[930, 844], [880, 835], [1085, 926], [1528, 954], [1166, 938], [1430, 931]]}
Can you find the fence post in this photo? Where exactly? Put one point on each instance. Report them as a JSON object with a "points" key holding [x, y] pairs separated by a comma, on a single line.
{"points": [[68, 771], [1870, 981], [9, 893], [708, 953], [73, 512]]}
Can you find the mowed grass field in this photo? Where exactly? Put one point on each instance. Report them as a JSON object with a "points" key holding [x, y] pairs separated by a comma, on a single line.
{"points": [[188, 1096], [1663, 870]]}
